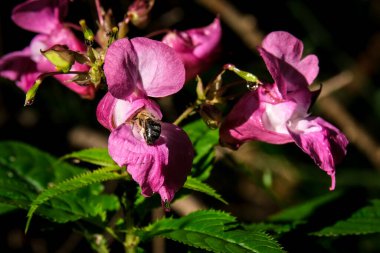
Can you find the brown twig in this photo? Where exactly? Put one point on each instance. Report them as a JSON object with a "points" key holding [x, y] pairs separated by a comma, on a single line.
{"points": [[243, 25]]}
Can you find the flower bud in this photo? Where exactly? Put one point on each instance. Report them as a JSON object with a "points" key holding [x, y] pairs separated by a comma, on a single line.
{"points": [[60, 56], [138, 12], [87, 32], [95, 75], [29, 99], [252, 80]]}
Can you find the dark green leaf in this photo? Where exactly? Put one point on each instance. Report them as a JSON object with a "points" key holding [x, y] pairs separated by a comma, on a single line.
{"points": [[290, 218], [211, 230], [364, 221], [72, 184], [204, 140], [304, 210], [25, 172], [97, 156], [196, 185], [4, 208]]}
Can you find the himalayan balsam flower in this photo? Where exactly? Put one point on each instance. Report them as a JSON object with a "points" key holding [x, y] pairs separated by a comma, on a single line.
{"points": [[45, 18], [136, 69], [197, 47], [278, 113]]}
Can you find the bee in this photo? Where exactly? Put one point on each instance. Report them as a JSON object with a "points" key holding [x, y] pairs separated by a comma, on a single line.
{"points": [[152, 131], [150, 128]]}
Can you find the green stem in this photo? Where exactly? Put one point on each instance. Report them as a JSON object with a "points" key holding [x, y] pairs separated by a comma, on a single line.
{"points": [[185, 114], [131, 239]]}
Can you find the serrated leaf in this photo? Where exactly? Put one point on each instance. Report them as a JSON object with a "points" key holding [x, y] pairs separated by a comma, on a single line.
{"points": [[364, 221], [26, 171], [197, 185], [214, 231], [204, 140], [96, 156], [72, 184]]}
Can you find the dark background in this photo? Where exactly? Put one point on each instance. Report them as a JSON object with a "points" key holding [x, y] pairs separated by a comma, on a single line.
{"points": [[343, 34]]}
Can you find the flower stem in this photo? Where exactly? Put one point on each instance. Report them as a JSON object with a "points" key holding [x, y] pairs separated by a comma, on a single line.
{"points": [[100, 12], [159, 32], [185, 114]]}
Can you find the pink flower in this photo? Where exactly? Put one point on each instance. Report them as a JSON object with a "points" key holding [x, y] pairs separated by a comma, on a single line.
{"points": [[158, 155], [279, 113], [197, 47], [45, 18]]}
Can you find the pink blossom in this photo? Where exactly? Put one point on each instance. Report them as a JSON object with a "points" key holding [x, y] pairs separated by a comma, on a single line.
{"points": [[150, 68], [279, 113], [136, 69], [45, 18], [197, 47]]}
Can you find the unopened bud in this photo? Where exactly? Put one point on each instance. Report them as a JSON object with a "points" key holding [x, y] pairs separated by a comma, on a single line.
{"points": [[87, 32], [29, 99], [250, 78], [200, 90], [60, 56], [213, 90], [95, 75], [138, 12]]}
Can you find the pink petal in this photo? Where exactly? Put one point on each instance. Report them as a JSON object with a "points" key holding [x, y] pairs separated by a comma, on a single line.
{"points": [[246, 122], [104, 111], [40, 16], [197, 47], [161, 71], [161, 167], [19, 67], [288, 48], [121, 69], [286, 77], [112, 112], [323, 142], [181, 155], [144, 163]]}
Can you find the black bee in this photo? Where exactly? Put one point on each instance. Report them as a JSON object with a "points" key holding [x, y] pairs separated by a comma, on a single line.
{"points": [[152, 130]]}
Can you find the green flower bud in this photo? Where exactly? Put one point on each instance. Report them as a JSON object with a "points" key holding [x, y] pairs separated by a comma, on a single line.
{"points": [[60, 56], [87, 32], [252, 80], [29, 99]]}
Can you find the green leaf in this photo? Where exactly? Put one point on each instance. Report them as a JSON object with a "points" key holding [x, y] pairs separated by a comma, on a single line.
{"points": [[290, 218], [212, 230], [196, 185], [4, 208], [204, 140], [97, 156], [25, 172], [72, 184], [364, 221], [304, 210]]}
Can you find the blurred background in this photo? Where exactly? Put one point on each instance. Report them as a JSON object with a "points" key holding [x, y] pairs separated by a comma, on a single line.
{"points": [[259, 180]]}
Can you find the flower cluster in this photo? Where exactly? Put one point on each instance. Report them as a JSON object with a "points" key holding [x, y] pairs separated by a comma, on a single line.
{"points": [[158, 155], [44, 17]]}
